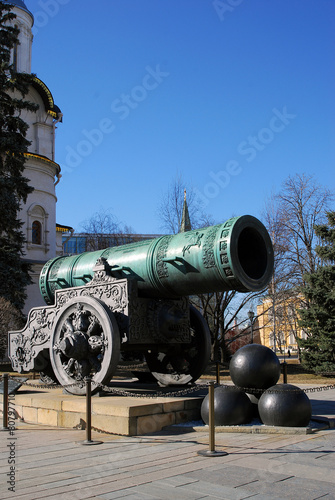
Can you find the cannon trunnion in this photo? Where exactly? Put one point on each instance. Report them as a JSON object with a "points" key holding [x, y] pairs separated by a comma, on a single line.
{"points": [[135, 298]]}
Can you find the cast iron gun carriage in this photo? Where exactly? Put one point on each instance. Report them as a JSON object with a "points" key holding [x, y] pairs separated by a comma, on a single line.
{"points": [[135, 298]]}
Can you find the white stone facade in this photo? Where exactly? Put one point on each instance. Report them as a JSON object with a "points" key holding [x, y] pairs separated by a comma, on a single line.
{"points": [[22, 54], [38, 214], [41, 130]]}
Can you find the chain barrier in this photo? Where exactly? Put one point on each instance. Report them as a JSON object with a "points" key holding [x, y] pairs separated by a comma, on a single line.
{"points": [[177, 393], [50, 386], [131, 367], [252, 390], [119, 392], [157, 394]]}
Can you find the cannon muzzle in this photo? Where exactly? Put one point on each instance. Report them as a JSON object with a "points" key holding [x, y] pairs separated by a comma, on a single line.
{"points": [[235, 255]]}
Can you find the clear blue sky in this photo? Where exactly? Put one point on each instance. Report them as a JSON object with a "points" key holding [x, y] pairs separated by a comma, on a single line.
{"points": [[235, 95]]}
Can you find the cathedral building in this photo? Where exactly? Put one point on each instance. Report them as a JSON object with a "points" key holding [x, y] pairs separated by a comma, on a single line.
{"points": [[43, 236]]}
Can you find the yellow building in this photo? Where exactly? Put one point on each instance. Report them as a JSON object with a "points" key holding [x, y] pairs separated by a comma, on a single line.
{"points": [[278, 323]]}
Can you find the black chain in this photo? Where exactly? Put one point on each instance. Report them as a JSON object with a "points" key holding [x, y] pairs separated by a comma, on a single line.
{"points": [[252, 390], [131, 367], [120, 392], [157, 394], [181, 392]]}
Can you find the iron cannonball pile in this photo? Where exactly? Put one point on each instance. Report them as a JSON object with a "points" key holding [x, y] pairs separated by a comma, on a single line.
{"points": [[255, 371]]}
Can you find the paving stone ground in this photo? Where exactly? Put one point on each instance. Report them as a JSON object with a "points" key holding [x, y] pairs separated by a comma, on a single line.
{"points": [[51, 463]]}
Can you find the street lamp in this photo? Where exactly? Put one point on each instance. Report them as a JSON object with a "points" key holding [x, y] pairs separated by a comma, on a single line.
{"points": [[252, 320]]}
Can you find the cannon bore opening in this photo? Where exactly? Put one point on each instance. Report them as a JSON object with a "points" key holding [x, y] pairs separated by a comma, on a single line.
{"points": [[252, 253]]}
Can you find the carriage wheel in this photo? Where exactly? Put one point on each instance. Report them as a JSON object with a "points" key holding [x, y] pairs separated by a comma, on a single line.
{"points": [[85, 342], [184, 364]]}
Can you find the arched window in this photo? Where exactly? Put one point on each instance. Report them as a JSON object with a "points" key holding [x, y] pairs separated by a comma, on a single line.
{"points": [[36, 234], [37, 227]]}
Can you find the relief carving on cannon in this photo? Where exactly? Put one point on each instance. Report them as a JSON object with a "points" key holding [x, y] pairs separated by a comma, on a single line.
{"points": [[135, 298]]}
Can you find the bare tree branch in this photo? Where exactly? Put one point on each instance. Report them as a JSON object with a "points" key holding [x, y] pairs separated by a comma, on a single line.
{"points": [[103, 230], [171, 207]]}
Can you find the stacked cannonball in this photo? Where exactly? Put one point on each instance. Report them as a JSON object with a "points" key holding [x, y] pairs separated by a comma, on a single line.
{"points": [[255, 371]]}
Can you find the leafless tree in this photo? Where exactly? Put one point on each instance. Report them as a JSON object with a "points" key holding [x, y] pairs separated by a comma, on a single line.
{"points": [[302, 204], [171, 207], [103, 230], [225, 313], [290, 217], [10, 319]]}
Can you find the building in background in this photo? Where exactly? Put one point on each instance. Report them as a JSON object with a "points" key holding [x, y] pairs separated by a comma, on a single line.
{"points": [[84, 242], [45, 239], [43, 236], [278, 324]]}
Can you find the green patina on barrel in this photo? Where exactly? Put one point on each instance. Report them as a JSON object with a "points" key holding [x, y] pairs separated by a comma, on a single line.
{"points": [[235, 255]]}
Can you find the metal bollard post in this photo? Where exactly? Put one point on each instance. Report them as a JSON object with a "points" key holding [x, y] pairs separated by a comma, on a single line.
{"points": [[89, 440], [88, 409], [284, 372], [5, 402], [211, 417], [218, 373]]}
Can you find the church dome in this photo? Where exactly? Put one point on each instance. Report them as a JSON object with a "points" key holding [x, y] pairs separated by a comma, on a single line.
{"points": [[18, 3]]}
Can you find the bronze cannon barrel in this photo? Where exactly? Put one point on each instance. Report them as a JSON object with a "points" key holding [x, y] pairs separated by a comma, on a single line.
{"points": [[235, 255]]}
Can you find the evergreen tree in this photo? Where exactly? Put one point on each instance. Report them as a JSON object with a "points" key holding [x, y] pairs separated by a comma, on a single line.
{"points": [[318, 317], [14, 187]]}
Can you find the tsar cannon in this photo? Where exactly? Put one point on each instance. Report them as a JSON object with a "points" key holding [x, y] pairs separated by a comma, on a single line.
{"points": [[135, 298]]}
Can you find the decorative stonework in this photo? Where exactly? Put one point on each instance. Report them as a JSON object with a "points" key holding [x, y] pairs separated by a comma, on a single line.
{"points": [[161, 266], [82, 342], [223, 247], [195, 240], [208, 248], [26, 345]]}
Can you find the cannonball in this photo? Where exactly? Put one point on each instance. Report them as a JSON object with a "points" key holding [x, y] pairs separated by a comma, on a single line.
{"points": [[254, 366], [285, 405], [231, 407]]}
